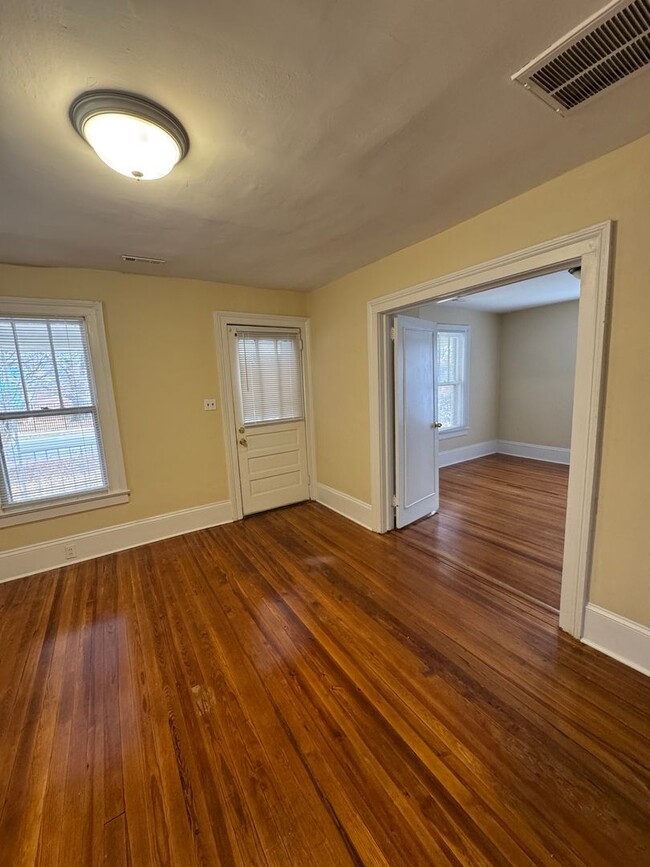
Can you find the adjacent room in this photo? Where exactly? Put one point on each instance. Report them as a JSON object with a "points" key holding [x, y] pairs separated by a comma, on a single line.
{"points": [[324, 411], [504, 379]]}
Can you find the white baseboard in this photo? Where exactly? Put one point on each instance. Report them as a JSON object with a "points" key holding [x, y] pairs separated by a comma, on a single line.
{"points": [[552, 454], [349, 507], [467, 453], [18, 562], [618, 637]]}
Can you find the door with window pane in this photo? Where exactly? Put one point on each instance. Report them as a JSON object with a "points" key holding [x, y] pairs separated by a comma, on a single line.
{"points": [[267, 374]]}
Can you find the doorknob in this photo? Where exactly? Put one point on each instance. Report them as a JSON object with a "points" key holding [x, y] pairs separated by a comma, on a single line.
{"points": [[242, 429], [437, 424], [243, 442]]}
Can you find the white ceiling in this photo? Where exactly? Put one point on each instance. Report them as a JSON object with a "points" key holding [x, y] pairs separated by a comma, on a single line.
{"points": [[324, 134], [534, 292]]}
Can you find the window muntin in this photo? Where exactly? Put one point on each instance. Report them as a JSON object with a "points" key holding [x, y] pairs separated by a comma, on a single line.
{"points": [[270, 376], [452, 375], [50, 442]]}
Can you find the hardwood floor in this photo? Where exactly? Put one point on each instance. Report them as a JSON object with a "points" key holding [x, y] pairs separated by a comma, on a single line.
{"points": [[502, 519], [295, 690]]}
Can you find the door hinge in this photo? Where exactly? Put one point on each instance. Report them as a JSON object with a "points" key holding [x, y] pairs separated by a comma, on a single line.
{"points": [[393, 501], [393, 335]]}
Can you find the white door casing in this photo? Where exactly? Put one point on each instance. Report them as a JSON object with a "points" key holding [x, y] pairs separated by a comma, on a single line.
{"points": [[590, 248], [416, 435]]}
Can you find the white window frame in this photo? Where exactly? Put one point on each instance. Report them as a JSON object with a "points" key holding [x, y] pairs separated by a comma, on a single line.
{"points": [[463, 429], [117, 491]]}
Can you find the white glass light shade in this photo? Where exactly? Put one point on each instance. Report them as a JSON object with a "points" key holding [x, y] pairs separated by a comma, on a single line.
{"points": [[133, 135], [131, 145]]}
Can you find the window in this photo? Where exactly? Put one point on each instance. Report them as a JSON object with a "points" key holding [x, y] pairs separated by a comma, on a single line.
{"points": [[453, 378], [59, 444], [270, 375]]}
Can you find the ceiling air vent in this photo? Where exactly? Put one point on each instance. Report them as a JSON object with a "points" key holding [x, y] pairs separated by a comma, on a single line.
{"points": [[606, 48], [147, 260]]}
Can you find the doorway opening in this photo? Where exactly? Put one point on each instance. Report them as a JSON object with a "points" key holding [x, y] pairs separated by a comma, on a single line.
{"points": [[494, 371], [588, 250]]}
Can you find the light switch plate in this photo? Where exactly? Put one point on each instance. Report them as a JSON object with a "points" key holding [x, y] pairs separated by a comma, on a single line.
{"points": [[209, 404]]}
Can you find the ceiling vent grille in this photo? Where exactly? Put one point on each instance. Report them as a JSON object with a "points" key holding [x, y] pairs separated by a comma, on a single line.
{"points": [[147, 260], [602, 51]]}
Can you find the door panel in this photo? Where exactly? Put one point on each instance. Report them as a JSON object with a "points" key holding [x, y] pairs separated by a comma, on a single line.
{"points": [[273, 467], [272, 456], [416, 436]]}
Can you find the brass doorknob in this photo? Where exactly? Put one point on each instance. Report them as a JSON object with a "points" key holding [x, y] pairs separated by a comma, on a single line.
{"points": [[242, 430], [437, 424], [243, 442]]}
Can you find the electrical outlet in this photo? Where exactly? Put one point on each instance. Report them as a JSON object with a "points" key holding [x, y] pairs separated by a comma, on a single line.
{"points": [[69, 552], [209, 404]]}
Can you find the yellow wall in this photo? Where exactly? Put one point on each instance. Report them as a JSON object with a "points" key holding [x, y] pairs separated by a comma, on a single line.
{"points": [[612, 187], [163, 360], [538, 367], [483, 371]]}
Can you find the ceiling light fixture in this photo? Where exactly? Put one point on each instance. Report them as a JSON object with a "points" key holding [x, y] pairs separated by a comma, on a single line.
{"points": [[132, 135]]}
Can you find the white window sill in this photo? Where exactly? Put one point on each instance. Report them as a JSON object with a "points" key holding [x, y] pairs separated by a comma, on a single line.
{"points": [[58, 508], [453, 432]]}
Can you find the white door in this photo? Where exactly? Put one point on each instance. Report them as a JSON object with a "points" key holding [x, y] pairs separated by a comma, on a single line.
{"points": [[416, 426], [267, 378]]}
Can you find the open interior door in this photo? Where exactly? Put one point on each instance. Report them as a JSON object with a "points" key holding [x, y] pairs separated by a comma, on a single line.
{"points": [[416, 425]]}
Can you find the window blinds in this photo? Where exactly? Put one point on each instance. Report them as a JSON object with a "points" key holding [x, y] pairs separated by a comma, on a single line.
{"points": [[270, 375], [50, 444]]}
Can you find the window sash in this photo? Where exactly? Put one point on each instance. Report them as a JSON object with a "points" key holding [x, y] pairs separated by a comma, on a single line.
{"points": [[456, 407], [90, 477], [47, 363], [88, 473], [44, 413]]}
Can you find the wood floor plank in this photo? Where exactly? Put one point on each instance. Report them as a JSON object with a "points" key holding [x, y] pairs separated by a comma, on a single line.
{"points": [[445, 801], [115, 843], [261, 760], [328, 692], [295, 690], [502, 517], [476, 688]]}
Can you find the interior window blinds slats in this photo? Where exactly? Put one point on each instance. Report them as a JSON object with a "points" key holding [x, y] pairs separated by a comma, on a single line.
{"points": [[450, 357], [50, 445], [270, 375]]}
